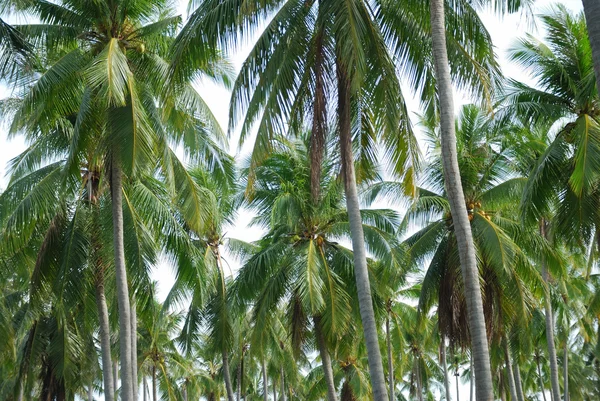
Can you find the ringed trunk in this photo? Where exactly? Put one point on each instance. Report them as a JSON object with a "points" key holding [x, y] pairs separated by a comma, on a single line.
{"points": [[462, 227], [361, 271]]}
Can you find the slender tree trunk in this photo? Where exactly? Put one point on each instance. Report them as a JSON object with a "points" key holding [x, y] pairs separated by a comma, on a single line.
{"points": [[154, 389], [591, 9], [319, 124], [144, 389], [227, 376], [419, 382], [91, 392], [134, 372], [539, 369], [325, 360], [265, 382], [125, 338], [445, 368], [566, 371], [472, 381], [361, 271], [283, 392], [107, 374], [388, 339], [457, 387], [518, 381], [460, 220], [554, 381], [509, 372], [116, 377]]}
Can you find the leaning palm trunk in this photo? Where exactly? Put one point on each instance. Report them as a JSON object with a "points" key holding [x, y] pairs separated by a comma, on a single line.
{"points": [[265, 382], [518, 382], [591, 9], [107, 374], [389, 356], [512, 388], [460, 220], [227, 376], [325, 360], [361, 271], [445, 368], [125, 338], [554, 381]]}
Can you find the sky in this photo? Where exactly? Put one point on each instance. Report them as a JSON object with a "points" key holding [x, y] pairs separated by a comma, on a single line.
{"points": [[504, 33]]}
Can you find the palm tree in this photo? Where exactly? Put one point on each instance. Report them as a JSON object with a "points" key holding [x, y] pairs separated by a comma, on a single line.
{"points": [[592, 16], [106, 70]]}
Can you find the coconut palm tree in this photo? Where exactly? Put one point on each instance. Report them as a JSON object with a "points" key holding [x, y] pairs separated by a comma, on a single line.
{"points": [[592, 15], [106, 70]]}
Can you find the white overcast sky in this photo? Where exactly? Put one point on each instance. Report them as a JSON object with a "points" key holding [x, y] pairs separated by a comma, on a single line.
{"points": [[504, 33]]}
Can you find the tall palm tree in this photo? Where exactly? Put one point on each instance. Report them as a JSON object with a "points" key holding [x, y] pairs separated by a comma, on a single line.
{"points": [[591, 9], [105, 67]]}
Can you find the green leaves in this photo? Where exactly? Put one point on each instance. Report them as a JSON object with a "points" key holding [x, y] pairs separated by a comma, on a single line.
{"points": [[109, 74]]}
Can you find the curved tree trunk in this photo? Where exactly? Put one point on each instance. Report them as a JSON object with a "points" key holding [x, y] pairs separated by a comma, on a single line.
{"points": [[460, 220], [445, 368], [107, 374], [554, 381], [566, 371], [518, 381], [591, 9], [388, 339], [125, 338], [361, 271], [134, 372], [325, 360], [512, 388], [265, 382], [227, 376], [539, 369]]}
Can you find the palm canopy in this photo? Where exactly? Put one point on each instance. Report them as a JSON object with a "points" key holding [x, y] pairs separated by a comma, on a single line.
{"points": [[563, 180], [491, 189], [300, 261]]}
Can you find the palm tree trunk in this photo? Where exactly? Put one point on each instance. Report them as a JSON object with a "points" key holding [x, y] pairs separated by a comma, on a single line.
{"points": [[227, 376], [591, 9], [239, 381], [389, 356], [91, 392], [325, 360], [125, 338], [457, 388], [509, 372], [154, 389], [265, 382], [319, 123], [134, 372], [554, 381], [109, 381], [361, 271], [539, 369], [566, 370], [518, 382], [460, 220], [472, 381], [445, 368], [283, 395], [116, 376], [144, 389], [419, 382]]}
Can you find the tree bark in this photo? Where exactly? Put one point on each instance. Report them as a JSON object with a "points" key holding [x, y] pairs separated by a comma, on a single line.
{"points": [[125, 339], [325, 360], [457, 388], [144, 389], [539, 369], [108, 379], [361, 271], [445, 368], [115, 377], [419, 381], [518, 381], [472, 381], [283, 395], [91, 392], [134, 371], [265, 382], [566, 371], [462, 227], [509, 372], [154, 389], [554, 381], [390, 358], [591, 9], [227, 376]]}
